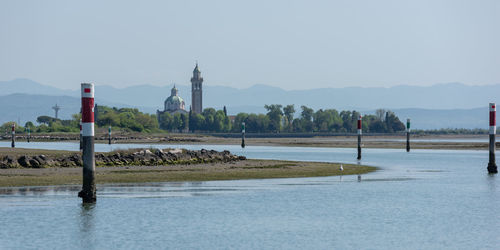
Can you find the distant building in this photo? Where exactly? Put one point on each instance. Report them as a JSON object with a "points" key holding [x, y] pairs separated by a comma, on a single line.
{"points": [[197, 91], [173, 104]]}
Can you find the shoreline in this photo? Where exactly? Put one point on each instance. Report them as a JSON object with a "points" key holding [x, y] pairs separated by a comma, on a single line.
{"points": [[453, 142], [239, 170]]}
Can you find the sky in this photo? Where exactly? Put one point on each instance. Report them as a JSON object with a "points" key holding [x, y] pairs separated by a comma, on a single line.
{"points": [[287, 44]]}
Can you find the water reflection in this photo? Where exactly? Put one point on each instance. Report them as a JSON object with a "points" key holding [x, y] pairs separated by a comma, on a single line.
{"points": [[490, 182], [86, 225], [38, 191]]}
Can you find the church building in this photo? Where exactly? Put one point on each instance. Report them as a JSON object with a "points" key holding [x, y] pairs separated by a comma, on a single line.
{"points": [[175, 104]]}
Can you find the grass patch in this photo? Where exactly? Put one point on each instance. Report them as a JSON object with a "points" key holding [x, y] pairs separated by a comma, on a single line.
{"points": [[249, 169]]}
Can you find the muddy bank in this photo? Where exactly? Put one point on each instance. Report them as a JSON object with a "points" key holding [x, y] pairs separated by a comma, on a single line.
{"points": [[232, 170]]}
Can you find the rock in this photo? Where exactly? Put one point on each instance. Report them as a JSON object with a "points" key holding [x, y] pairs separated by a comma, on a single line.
{"points": [[34, 163], [77, 160], [241, 158], [9, 159], [41, 159], [24, 161], [67, 162], [175, 151]]}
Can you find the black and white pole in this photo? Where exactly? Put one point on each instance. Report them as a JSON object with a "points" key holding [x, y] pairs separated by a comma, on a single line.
{"points": [[243, 134], [88, 193], [29, 134], [359, 137], [109, 135], [81, 139], [13, 135], [408, 135], [492, 166]]}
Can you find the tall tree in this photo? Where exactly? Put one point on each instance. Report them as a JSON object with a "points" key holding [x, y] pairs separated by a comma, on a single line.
{"points": [[306, 119], [274, 113], [380, 113], [289, 111]]}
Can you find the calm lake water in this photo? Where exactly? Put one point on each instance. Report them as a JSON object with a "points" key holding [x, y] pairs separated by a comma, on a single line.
{"points": [[425, 199]]}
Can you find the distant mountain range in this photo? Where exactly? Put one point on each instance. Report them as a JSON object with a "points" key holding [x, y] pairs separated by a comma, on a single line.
{"points": [[438, 106]]}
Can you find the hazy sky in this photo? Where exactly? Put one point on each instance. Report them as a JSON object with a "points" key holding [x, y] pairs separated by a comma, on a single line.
{"points": [[287, 44]]}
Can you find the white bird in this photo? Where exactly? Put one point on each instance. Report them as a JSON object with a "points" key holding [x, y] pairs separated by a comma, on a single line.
{"points": [[341, 167]]}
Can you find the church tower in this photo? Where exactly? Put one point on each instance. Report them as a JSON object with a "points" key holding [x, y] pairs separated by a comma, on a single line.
{"points": [[196, 91]]}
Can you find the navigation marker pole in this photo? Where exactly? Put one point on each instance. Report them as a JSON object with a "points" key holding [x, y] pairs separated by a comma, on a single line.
{"points": [[29, 134], [408, 135], [359, 137], [243, 134], [492, 166], [109, 135], [13, 135], [88, 193]]}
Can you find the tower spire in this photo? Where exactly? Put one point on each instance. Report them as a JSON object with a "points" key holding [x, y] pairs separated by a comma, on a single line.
{"points": [[196, 90]]}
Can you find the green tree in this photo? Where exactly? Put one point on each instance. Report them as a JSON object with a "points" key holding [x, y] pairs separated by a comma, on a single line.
{"points": [[166, 121], [197, 122], [274, 113], [185, 122], [219, 121], [306, 119], [29, 125], [289, 111], [177, 123], [44, 119]]}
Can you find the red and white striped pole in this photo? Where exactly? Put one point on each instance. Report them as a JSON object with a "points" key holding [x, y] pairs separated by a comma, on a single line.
{"points": [[492, 166], [88, 193], [359, 137], [408, 135], [13, 135]]}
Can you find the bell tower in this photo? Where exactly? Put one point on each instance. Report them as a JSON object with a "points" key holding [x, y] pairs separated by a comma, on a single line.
{"points": [[196, 91]]}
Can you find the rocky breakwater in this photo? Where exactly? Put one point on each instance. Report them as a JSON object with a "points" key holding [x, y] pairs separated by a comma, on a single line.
{"points": [[143, 157]]}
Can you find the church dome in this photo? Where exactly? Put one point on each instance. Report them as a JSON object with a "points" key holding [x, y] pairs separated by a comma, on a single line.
{"points": [[174, 101]]}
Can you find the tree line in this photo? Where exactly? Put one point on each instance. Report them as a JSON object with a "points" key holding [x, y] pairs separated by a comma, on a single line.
{"points": [[277, 119], [282, 119]]}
